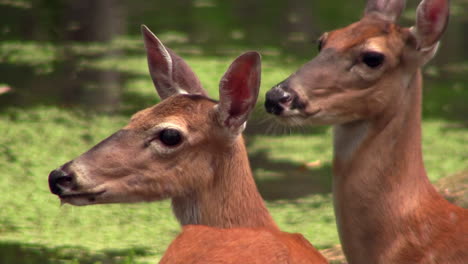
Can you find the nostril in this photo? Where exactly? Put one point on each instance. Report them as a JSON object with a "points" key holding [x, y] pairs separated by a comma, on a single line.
{"points": [[59, 180], [277, 100], [273, 107], [65, 181], [286, 98]]}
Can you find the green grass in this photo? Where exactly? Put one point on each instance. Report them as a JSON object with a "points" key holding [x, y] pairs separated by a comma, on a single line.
{"points": [[37, 138]]}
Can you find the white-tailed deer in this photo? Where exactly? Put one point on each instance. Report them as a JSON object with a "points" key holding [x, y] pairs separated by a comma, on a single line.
{"points": [[189, 148], [366, 82]]}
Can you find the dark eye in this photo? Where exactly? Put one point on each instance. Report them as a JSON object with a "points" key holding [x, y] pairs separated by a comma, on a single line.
{"points": [[373, 59], [170, 137]]}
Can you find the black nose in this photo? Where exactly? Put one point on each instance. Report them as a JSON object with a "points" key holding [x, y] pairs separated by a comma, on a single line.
{"points": [[274, 98], [58, 180]]}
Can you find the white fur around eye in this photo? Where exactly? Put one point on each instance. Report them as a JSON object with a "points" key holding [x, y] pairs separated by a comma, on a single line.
{"points": [[367, 73]]}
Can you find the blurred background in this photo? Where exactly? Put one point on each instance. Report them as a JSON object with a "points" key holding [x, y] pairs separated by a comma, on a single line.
{"points": [[60, 45], [72, 72]]}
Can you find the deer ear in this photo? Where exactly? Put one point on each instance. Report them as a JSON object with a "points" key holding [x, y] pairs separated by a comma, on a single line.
{"points": [[388, 9], [431, 21], [170, 73], [238, 91]]}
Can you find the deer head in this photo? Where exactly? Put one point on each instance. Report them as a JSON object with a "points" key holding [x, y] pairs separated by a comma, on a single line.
{"points": [[167, 150], [362, 69]]}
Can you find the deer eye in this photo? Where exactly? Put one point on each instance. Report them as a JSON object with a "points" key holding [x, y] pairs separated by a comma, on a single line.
{"points": [[170, 137], [373, 59]]}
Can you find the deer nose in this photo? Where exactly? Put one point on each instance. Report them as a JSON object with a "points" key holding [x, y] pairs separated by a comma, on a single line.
{"points": [[276, 99], [59, 180]]}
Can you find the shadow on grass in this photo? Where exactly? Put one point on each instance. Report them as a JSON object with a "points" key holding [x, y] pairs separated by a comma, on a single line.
{"points": [[279, 180], [90, 90], [21, 253], [445, 98], [82, 87]]}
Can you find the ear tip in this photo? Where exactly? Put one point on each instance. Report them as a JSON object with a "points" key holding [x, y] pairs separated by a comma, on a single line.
{"points": [[389, 10], [438, 4], [147, 33], [149, 36], [253, 54], [144, 29], [432, 10]]}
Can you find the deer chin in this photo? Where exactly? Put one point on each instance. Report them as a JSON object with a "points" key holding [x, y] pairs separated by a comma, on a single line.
{"points": [[319, 118], [82, 198], [108, 195], [296, 117]]}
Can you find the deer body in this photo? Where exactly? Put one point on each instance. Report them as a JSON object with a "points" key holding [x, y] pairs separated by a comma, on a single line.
{"points": [[231, 199], [384, 202], [189, 148], [366, 82], [239, 245]]}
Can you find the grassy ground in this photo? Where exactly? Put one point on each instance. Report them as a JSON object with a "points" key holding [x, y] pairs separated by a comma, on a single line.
{"points": [[293, 170]]}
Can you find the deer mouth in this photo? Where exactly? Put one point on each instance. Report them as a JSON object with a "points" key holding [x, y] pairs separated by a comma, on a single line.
{"points": [[83, 198], [296, 118]]}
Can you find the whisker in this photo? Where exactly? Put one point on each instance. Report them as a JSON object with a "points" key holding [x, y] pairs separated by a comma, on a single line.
{"points": [[269, 128], [265, 119]]}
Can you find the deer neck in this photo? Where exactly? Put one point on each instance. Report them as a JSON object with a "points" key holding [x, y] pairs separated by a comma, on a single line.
{"points": [[379, 176], [231, 200]]}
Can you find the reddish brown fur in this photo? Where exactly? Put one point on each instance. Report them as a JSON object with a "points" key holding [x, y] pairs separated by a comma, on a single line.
{"points": [[228, 200], [387, 211], [206, 174], [355, 34], [239, 245], [385, 203]]}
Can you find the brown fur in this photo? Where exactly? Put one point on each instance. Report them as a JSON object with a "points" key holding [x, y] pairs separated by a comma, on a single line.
{"points": [[210, 183], [385, 203], [207, 175], [257, 245], [387, 211], [355, 34]]}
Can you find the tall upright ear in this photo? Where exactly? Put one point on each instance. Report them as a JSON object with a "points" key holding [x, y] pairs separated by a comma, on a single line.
{"points": [[431, 21], [170, 73], [387, 9], [238, 91]]}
